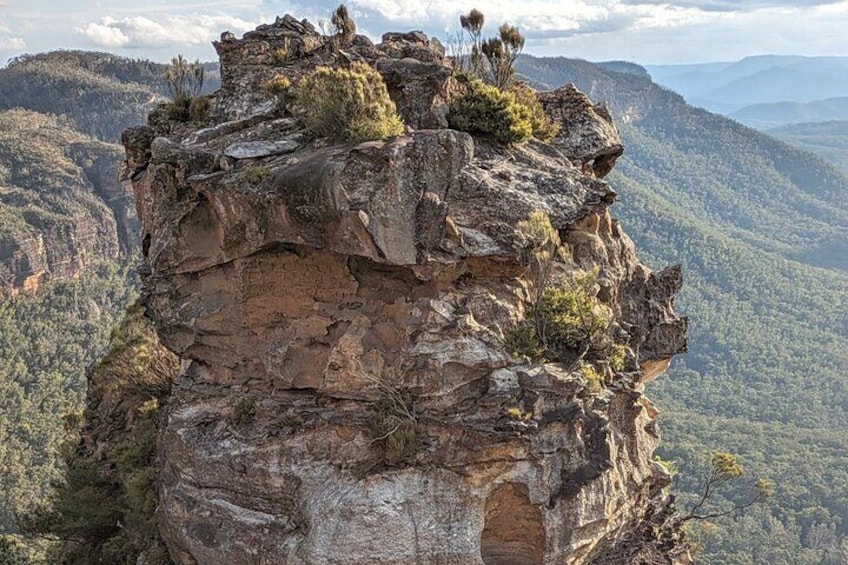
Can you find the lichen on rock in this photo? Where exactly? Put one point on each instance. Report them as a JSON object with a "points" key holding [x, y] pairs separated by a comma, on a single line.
{"points": [[359, 295]]}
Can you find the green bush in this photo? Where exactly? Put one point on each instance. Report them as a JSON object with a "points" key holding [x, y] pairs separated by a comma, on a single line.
{"points": [[486, 110], [198, 109], [571, 314], [544, 128], [594, 381], [350, 104], [277, 86], [567, 322], [510, 116], [244, 411], [178, 110], [184, 81]]}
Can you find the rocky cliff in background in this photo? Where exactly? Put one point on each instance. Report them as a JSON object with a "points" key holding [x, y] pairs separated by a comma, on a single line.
{"points": [[346, 395], [61, 205]]}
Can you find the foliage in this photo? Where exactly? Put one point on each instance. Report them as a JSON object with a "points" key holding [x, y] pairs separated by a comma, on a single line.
{"points": [[617, 357], [345, 26], [244, 412], [501, 53], [185, 82], [492, 59], [542, 247], [350, 104], [516, 413], [12, 551], [105, 505], [277, 86], [198, 109], [394, 424], [544, 129], [724, 468], [567, 323], [594, 381], [470, 56], [281, 87], [509, 116], [565, 320], [255, 174], [46, 341], [486, 110]]}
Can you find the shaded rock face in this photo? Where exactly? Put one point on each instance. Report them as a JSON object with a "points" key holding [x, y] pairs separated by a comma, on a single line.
{"points": [[346, 394]]}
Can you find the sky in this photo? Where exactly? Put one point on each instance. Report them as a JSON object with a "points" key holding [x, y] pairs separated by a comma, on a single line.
{"points": [[643, 31]]}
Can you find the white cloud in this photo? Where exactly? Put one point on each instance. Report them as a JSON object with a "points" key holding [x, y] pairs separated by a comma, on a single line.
{"points": [[536, 18], [106, 34], [146, 32], [12, 43]]}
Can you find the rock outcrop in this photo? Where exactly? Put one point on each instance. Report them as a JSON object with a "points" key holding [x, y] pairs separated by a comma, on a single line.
{"points": [[340, 309], [588, 136]]}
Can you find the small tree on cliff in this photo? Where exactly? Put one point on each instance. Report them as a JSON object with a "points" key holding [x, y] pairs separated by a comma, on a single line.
{"points": [[345, 26], [501, 53], [472, 24], [724, 469], [184, 81], [493, 104], [492, 59]]}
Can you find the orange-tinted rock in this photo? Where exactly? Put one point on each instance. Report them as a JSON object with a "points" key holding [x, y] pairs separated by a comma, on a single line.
{"points": [[358, 296]]}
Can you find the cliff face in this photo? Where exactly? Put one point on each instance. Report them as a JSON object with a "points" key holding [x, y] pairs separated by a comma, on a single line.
{"points": [[346, 395], [61, 204]]}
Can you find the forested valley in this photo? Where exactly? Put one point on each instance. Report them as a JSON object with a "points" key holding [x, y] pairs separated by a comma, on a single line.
{"points": [[758, 226], [759, 229]]}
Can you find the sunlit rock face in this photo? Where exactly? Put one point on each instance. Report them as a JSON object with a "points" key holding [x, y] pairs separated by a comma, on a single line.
{"points": [[346, 395]]}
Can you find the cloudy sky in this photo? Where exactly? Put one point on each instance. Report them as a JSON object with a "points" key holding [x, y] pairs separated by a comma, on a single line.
{"points": [[645, 31]]}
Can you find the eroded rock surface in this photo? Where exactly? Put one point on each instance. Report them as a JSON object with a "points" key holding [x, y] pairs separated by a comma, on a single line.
{"points": [[346, 394], [588, 135]]}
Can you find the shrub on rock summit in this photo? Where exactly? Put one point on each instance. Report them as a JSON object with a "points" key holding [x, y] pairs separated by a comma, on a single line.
{"points": [[350, 104], [510, 116], [487, 110]]}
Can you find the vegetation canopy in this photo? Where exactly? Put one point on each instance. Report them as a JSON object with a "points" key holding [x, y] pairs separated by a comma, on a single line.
{"points": [[349, 104], [487, 110], [185, 82]]}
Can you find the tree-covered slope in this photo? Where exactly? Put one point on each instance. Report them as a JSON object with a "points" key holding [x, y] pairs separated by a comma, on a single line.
{"points": [[757, 226], [828, 140], [47, 340], [100, 94]]}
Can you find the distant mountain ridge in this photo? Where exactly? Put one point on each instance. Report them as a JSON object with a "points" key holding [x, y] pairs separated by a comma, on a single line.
{"points": [[101, 94], [61, 116], [774, 114], [826, 139], [728, 87]]}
